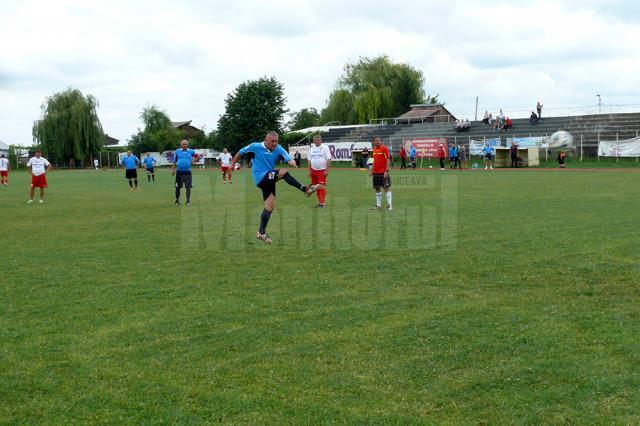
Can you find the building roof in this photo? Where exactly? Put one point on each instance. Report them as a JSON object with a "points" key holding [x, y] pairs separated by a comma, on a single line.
{"points": [[4, 146], [425, 110], [180, 123], [109, 140]]}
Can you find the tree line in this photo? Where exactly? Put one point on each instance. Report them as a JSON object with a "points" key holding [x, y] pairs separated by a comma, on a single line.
{"points": [[69, 127]]}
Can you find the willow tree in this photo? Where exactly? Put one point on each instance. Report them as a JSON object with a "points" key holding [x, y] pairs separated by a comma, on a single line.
{"points": [[69, 127], [374, 88]]}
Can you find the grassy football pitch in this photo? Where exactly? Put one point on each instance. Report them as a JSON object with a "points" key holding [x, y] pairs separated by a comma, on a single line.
{"points": [[483, 297]]}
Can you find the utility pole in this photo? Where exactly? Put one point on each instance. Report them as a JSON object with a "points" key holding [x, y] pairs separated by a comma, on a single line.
{"points": [[599, 104], [476, 119]]}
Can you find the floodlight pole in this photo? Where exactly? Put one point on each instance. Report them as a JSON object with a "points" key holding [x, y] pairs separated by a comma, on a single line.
{"points": [[476, 118]]}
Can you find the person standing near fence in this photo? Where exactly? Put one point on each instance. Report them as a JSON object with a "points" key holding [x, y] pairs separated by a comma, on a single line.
{"points": [[462, 156], [513, 152], [456, 156], [488, 157], [412, 156], [441, 154], [130, 163], [403, 158]]}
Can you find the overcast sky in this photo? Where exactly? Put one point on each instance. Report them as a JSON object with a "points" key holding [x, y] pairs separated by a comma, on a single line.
{"points": [[186, 56]]}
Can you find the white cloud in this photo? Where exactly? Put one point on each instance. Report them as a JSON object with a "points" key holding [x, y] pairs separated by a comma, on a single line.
{"points": [[186, 56]]}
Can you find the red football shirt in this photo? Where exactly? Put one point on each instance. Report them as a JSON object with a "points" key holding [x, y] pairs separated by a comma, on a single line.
{"points": [[380, 157]]}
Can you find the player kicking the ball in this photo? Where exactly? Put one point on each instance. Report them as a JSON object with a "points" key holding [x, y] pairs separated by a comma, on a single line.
{"points": [[380, 173], [265, 156]]}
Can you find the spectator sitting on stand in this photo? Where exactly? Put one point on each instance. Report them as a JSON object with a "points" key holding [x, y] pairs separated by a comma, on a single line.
{"points": [[487, 118], [533, 119], [462, 125], [508, 124]]}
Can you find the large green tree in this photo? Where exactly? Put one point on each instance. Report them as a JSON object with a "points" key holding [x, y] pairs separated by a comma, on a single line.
{"points": [[306, 117], [252, 109], [374, 88], [69, 127], [158, 133]]}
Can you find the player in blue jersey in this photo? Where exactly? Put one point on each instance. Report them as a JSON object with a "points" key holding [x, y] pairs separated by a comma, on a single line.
{"points": [[488, 156], [130, 162], [150, 163], [265, 156], [183, 158]]}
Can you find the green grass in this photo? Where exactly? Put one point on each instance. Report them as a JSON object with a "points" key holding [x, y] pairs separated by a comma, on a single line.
{"points": [[490, 297]]}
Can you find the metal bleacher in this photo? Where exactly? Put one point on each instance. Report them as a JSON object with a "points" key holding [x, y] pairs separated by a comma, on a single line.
{"points": [[587, 129]]}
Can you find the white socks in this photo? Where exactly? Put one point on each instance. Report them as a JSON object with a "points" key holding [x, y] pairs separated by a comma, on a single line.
{"points": [[389, 198], [378, 199]]}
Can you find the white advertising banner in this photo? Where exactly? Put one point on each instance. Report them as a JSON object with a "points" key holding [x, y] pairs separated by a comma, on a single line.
{"points": [[476, 147], [625, 148], [340, 151]]}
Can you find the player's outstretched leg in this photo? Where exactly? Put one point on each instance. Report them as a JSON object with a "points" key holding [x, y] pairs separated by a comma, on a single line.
{"points": [[177, 194], [308, 190]]}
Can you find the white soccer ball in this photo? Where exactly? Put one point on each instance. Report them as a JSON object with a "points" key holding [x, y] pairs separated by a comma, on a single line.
{"points": [[561, 139], [431, 167]]}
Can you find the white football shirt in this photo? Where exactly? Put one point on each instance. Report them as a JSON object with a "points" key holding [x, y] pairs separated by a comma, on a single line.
{"points": [[318, 156], [4, 165], [225, 159], [37, 165]]}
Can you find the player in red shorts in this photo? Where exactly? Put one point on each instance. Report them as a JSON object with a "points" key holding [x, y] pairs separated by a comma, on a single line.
{"points": [[319, 163], [4, 171], [39, 168], [225, 164]]}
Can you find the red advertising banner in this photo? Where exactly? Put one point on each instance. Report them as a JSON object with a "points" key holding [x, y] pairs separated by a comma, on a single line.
{"points": [[427, 147]]}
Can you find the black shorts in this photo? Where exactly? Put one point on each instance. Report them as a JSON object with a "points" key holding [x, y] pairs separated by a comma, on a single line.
{"points": [[268, 184], [380, 181], [150, 170], [488, 157], [131, 174], [183, 178]]}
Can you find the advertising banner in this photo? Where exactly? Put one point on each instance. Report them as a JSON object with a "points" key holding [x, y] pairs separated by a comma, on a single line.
{"points": [[625, 148], [476, 147], [427, 147]]}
